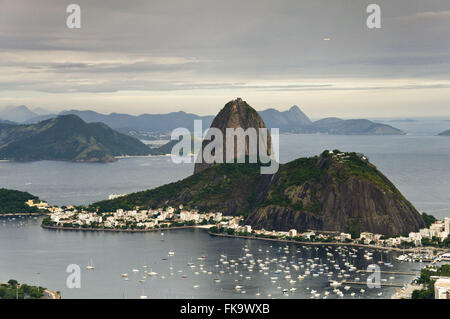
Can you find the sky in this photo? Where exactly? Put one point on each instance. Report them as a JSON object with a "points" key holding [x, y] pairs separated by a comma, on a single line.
{"points": [[148, 56]]}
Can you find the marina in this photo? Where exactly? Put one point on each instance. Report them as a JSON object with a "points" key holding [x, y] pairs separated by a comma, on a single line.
{"points": [[190, 263]]}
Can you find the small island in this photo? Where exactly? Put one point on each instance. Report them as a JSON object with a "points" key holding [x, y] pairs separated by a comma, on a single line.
{"points": [[445, 133]]}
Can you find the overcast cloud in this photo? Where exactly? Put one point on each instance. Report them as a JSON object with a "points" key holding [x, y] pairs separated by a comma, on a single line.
{"points": [[158, 56]]}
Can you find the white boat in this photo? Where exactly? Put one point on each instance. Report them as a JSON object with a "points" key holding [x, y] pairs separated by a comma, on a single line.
{"points": [[335, 284], [171, 253], [124, 275], [90, 266], [152, 273]]}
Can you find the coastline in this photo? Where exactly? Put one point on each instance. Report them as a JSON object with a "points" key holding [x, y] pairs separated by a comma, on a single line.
{"points": [[23, 214], [206, 227], [327, 243], [118, 230]]}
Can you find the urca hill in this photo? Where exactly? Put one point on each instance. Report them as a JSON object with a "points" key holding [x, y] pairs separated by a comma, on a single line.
{"points": [[336, 191]]}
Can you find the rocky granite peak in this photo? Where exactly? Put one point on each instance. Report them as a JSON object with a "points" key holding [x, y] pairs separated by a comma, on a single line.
{"points": [[235, 114]]}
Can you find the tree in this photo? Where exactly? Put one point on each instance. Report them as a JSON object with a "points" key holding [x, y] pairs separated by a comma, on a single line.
{"points": [[13, 282]]}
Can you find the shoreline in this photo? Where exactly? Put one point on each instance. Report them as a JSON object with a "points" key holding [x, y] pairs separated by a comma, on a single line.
{"points": [[24, 214], [118, 230], [206, 227], [326, 243]]}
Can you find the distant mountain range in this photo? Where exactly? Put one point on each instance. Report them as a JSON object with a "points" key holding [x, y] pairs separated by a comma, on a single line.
{"points": [[445, 133], [66, 138], [290, 121], [20, 113]]}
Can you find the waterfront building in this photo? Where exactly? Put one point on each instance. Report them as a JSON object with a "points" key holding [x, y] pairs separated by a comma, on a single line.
{"points": [[292, 233], [39, 205], [416, 238], [436, 228], [447, 225], [425, 233], [308, 234], [247, 228], [442, 288], [344, 236], [366, 237], [218, 217]]}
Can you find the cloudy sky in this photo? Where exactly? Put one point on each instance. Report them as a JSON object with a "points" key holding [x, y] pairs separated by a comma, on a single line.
{"points": [[151, 56]]}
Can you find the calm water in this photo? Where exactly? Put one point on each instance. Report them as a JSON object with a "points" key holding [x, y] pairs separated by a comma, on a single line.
{"points": [[26, 250], [418, 164]]}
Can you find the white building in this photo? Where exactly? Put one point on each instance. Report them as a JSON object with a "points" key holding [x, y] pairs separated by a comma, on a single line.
{"points": [[218, 217], [436, 228], [416, 238], [309, 234], [344, 236], [425, 233], [292, 233], [447, 225], [367, 237], [442, 288], [247, 228]]}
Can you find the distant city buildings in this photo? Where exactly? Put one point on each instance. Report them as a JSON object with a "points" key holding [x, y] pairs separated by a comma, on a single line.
{"points": [[37, 204], [114, 196], [170, 217]]}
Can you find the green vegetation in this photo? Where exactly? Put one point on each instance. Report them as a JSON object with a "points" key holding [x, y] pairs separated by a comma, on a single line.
{"points": [[206, 190], [356, 167], [303, 186], [298, 172], [66, 138], [436, 242], [12, 201], [429, 219], [425, 278], [13, 290], [353, 228]]}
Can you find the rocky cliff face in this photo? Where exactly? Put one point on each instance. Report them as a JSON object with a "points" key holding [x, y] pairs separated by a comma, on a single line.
{"points": [[235, 114], [344, 193]]}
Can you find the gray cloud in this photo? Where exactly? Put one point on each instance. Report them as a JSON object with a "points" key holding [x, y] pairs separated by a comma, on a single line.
{"points": [[259, 45]]}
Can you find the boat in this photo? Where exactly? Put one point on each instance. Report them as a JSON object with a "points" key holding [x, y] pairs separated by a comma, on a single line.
{"points": [[152, 273], [171, 253], [335, 284], [90, 266]]}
